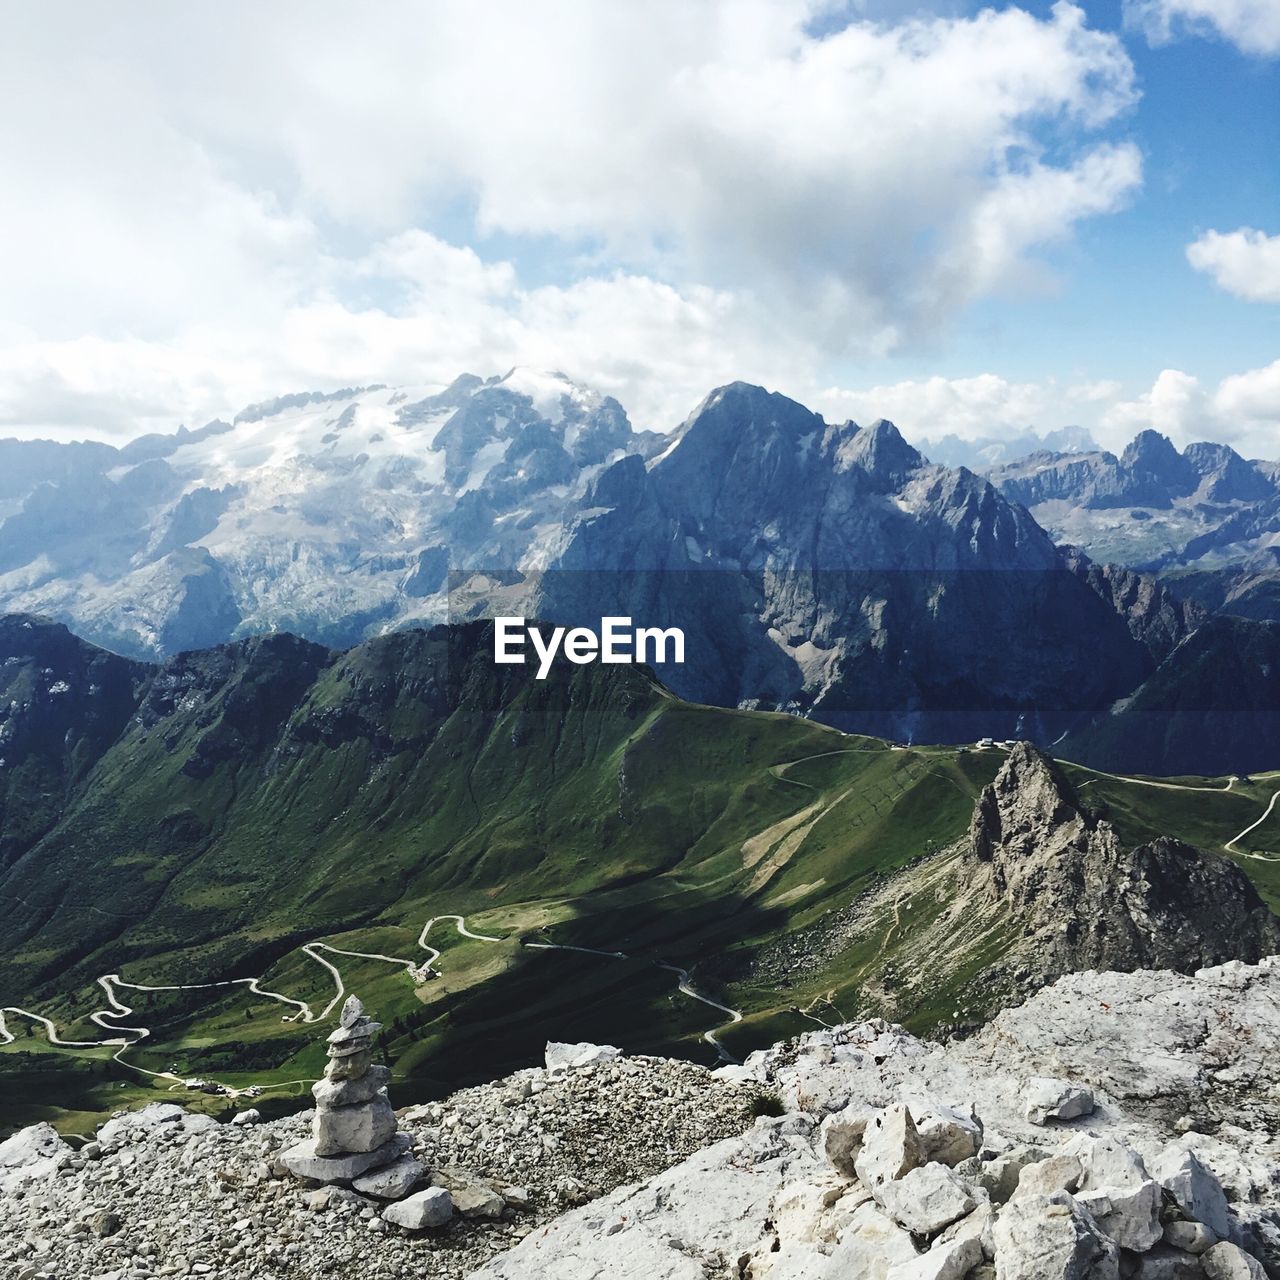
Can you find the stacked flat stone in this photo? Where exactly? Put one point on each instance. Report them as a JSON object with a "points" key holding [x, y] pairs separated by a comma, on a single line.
{"points": [[354, 1131]]}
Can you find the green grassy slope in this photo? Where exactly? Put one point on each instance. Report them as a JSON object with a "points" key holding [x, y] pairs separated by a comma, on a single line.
{"points": [[273, 794]]}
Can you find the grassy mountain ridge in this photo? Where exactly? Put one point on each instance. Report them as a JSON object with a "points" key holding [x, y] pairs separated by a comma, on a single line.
{"points": [[272, 794]]}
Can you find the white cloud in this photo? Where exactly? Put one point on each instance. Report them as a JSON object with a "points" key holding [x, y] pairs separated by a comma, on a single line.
{"points": [[972, 408], [1243, 411], [229, 200], [1243, 262], [1252, 400], [1176, 406], [656, 347], [1252, 25]]}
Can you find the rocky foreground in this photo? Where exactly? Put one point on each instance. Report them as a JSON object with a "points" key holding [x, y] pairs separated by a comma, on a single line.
{"points": [[163, 1192], [1115, 1125]]}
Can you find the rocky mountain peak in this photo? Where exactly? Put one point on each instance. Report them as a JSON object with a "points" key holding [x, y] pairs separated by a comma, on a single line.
{"points": [[1227, 477], [882, 453], [1155, 464], [743, 415], [1152, 451], [1029, 806], [1084, 900]]}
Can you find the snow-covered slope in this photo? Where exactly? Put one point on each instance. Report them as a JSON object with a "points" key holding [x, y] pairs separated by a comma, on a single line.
{"points": [[335, 515]]}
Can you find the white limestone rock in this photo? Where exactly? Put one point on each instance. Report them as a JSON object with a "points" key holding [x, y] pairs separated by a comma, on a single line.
{"points": [[1049, 1098], [1229, 1262], [950, 1260], [925, 1199], [393, 1181], [948, 1134], [565, 1057], [421, 1211], [870, 1246], [352, 1130], [840, 1136], [1051, 1238], [717, 1203], [351, 1066], [303, 1161], [999, 1177], [890, 1147], [1194, 1188], [1058, 1173], [31, 1153], [118, 1129], [1118, 1191], [347, 1093]]}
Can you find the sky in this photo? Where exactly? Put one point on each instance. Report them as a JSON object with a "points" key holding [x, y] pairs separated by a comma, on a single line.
{"points": [[973, 221]]}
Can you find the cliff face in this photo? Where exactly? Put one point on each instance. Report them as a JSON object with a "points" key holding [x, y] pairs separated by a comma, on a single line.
{"points": [[1086, 902]]}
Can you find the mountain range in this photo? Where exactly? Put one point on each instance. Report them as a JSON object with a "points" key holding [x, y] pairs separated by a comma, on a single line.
{"points": [[1152, 507], [825, 569]]}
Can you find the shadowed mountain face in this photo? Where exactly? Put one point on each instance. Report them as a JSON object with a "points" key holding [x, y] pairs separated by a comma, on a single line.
{"points": [[1212, 706], [830, 570], [62, 705]]}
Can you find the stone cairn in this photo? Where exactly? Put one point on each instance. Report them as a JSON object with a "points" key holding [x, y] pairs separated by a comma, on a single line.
{"points": [[354, 1135]]}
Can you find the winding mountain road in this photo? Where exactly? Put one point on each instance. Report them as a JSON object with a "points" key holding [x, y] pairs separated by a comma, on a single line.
{"points": [[1230, 845], [124, 1037], [1253, 826]]}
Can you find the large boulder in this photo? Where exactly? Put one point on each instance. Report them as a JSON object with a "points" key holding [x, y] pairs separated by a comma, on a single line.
{"points": [[1051, 1238], [119, 1129], [925, 1199], [1229, 1262], [29, 1154], [871, 1243], [948, 1134], [890, 1147], [1194, 1188], [840, 1136], [1048, 1098], [1118, 1191], [563, 1057], [1058, 1173]]}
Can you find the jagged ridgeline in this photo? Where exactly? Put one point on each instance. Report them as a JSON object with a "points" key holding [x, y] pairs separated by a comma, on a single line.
{"points": [[407, 821], [824, 568]]}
